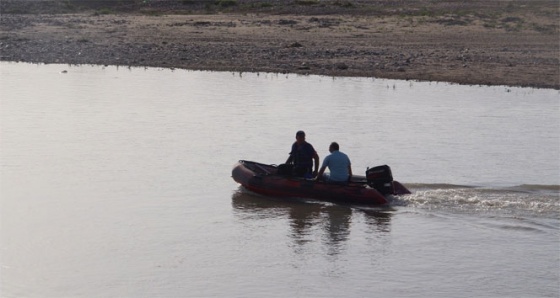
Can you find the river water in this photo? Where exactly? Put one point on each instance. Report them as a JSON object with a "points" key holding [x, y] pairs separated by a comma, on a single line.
{"points": [[116, 182]]}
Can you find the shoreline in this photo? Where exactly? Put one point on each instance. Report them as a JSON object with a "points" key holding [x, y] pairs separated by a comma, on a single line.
{"points": [[520, 49]]}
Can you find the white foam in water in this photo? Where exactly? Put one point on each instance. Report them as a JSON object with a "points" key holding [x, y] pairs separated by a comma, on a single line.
{"points": [[522, 200]]}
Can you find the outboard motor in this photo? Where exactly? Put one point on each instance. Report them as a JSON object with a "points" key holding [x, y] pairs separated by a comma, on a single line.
{"points": [[380, 178]]}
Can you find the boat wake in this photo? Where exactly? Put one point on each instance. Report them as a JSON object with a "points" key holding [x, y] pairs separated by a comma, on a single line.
{"points": [[521, 200], [542, 200]]}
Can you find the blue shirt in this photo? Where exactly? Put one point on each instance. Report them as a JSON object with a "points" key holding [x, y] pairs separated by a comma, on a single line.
{"points": [[338, 164]]}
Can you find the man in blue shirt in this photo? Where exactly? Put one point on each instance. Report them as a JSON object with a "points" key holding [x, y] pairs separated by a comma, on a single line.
{"points": [[338, 164], [302, 155]]}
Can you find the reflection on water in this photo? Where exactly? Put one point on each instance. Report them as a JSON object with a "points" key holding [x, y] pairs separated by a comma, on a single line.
{"points": [[307, 218]]}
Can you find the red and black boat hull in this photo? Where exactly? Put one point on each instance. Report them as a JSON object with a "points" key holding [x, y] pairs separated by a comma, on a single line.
{"points": [[263, 179]]}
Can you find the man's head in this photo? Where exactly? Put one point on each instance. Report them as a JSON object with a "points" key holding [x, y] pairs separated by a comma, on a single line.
{"points": [[333, 147], [300, 136]]}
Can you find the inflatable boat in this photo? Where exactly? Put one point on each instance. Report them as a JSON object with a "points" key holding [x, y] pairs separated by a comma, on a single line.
{"points": [[272, 180]]}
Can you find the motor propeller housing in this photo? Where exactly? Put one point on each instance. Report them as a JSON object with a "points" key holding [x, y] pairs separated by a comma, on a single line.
{"points": [[380, 178]]}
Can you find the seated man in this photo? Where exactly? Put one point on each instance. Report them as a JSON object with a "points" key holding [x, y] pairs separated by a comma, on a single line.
{"points": [[338, 164]]}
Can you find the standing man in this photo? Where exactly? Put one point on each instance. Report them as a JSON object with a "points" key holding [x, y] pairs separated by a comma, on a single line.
{"points": [[338, 164], [302, 156]]}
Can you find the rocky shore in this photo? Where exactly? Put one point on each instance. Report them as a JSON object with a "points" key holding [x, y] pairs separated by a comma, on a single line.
{"points": [[514, 43]]}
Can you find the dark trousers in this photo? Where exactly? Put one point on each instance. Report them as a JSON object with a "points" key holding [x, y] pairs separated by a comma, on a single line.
{"points": [[302, 171]]}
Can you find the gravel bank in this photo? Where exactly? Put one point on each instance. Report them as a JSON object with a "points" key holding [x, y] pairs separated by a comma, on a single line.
{"points": [[506, 44]]}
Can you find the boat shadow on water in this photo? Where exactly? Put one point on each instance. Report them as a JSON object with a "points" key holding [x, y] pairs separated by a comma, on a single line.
{"points": [[307, 216]]}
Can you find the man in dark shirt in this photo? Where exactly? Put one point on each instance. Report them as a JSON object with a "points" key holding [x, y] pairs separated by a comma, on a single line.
{"points": [[302, 156]]}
